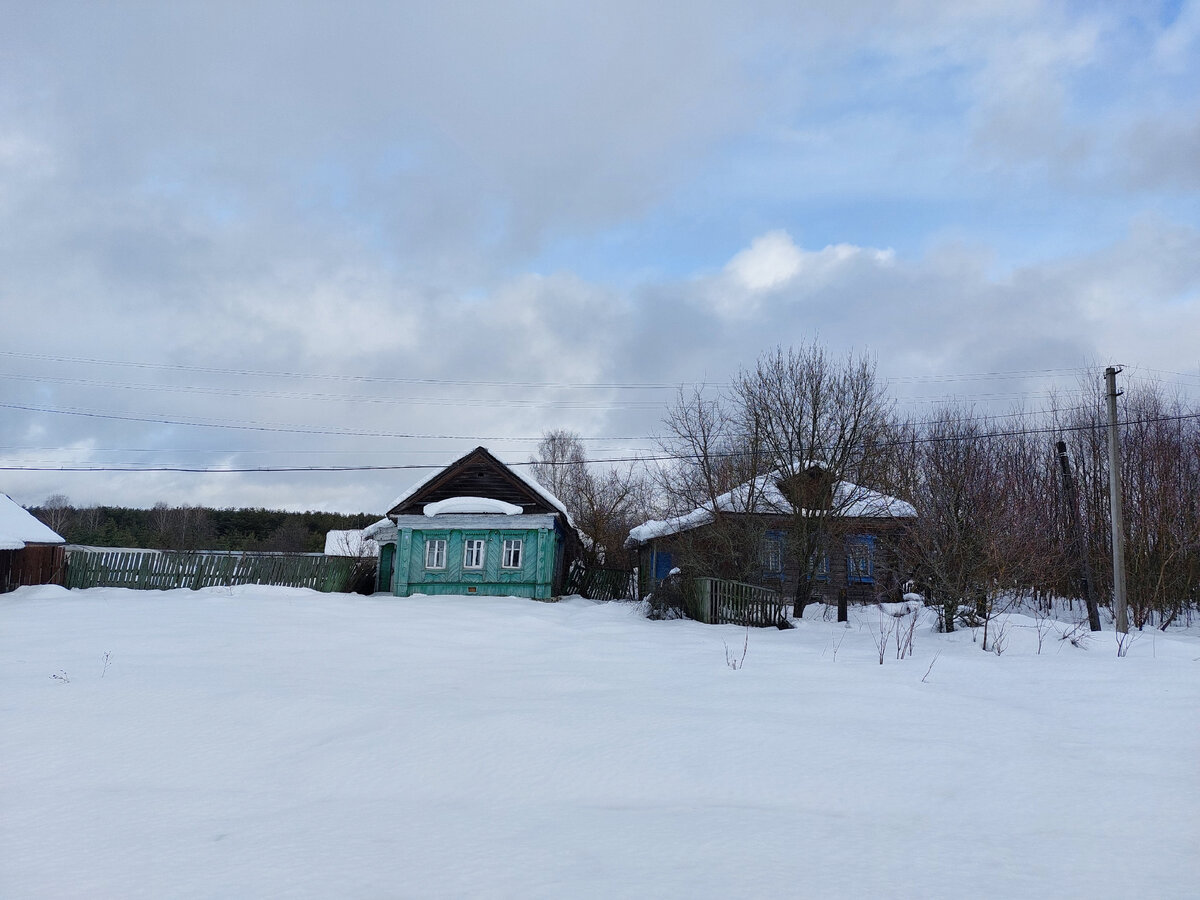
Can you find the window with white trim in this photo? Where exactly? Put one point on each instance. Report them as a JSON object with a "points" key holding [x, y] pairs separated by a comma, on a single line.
{"points": [[435, 553], [770, 554], [821, 570], [473, 553], [512, 553], [819, 563]]}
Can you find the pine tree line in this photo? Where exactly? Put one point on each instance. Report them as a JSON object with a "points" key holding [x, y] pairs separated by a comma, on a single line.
{"points": [[167, 527]]}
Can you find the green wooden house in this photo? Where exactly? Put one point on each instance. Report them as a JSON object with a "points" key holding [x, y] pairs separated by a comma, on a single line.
{"points": [[476, 527]]}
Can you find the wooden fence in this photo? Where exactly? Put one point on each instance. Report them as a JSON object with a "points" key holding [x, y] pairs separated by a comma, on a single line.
{"points": [[166, 569], [601, 584], [719, 602]]}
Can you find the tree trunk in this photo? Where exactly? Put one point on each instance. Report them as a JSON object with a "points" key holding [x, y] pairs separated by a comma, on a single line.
{"points": [[802, 598]]}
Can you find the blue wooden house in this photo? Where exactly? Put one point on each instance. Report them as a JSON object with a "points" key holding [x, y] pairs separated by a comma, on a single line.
{"points": [[476, 527], [858, 559]]}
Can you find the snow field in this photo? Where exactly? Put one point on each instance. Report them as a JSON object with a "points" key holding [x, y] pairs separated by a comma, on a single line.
{"points": [[269, 742]]}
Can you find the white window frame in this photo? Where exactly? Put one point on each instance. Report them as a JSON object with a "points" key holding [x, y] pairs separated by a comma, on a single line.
{"points": [[435, 548], [514, 549], [770, 553], [474, 553]]}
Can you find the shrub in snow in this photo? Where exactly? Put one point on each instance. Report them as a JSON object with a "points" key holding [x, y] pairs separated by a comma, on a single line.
{"points": [[667, 601]]}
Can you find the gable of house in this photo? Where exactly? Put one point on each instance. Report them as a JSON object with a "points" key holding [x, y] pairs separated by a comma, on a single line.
{"points": [[478, 474]]}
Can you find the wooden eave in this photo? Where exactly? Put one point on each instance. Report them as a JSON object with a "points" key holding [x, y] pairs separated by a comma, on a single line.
{"points": [[478, 474]]}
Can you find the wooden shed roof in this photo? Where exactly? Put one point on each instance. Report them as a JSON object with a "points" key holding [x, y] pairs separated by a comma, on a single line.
{"points": [[19, 528]]}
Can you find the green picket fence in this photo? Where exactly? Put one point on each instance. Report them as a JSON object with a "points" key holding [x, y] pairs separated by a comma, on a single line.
{"points": [[720, 602], [167, 569]]}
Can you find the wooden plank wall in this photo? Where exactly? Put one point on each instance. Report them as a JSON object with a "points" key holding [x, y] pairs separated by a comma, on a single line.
{"points": [[39, 564], [167, 570]]}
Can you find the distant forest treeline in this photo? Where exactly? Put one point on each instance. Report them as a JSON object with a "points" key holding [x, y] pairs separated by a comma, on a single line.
{"points": [[195, 527]]}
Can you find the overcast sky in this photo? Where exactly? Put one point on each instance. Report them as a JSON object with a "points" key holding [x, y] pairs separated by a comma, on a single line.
{"points": [[381, 234]]}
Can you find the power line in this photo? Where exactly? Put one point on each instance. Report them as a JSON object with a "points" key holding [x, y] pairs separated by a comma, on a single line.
{"points": [[258, 451], [514, 402], [615, 385], [989, 398], [986, 376], [380, 379], [1165, 372], [285, 429], [277, 428], [655, 458], [319, 430]]}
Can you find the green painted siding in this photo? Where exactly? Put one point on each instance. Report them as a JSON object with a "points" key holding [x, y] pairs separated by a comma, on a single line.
{"points": [[535, 577]]}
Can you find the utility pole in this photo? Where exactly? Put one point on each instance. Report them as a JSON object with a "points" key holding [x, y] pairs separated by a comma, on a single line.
{"points": [[1118, 517], [1077, 539]]}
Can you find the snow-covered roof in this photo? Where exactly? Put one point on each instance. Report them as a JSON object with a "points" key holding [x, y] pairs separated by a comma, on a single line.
{"points": [[375, 529], [528, 479], [18, 527], [471, 505], [420, 484], [763, 496], [350, 543], [537, 487]]}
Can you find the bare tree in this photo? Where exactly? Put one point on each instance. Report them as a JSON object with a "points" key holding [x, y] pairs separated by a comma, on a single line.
{"points": [[610, 502], [604, 503], [182, 527], [818, 425], [710, 456], [364, 556], [970, 545], [993, 521], [56, 512], [1161, 476], [561, 465], [290, 537], [793, 437], [712, 467]]}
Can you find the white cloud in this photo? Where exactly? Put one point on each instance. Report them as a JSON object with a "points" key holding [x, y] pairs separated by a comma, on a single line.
{"points": [[370, 192], [768, 262], [773, 263], [1135, 301]]}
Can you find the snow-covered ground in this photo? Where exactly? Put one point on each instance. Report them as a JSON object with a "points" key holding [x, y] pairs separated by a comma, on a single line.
{"points": [[267, 742]]}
